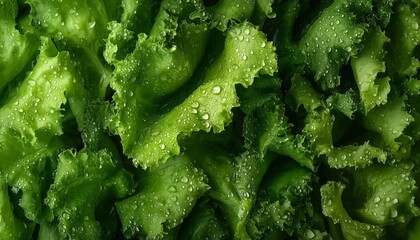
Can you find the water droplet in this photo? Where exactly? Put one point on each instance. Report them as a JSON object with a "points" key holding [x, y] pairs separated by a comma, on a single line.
{"points": [[66, 215], [329, 202], [92, 24], [394, 213], [172, 189], [162, 146], [376, 199], [205, 116], [195, 105], [184, 179], [217, 90], [244, 57]]}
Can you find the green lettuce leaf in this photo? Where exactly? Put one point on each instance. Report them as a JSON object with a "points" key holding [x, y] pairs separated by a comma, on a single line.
{"points": [[84, 182], [387, 194], [326, 51], [16, 50], [366, 65], [284, 205], [227, 10], [165, 197], [31, 123], [332, 206], [404, 35], [78, 27], [247, 54], [11, 227], [203, 223], [389, 122], [234, 183], [266, 127], [318, 129]]}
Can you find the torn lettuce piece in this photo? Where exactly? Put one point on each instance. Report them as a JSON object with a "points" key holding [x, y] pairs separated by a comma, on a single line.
{"points": [[31, 125], [366, 65], [203, 223], [83, 182], [285, 206], [152, 139], [332, 207], [385, 194], [11, 227], [16, 49], [82, 23], [165, 197], [326, 51]]}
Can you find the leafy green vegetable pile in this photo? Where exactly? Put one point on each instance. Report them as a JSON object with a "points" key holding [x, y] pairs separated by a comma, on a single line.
{"points": [[191, 119]]}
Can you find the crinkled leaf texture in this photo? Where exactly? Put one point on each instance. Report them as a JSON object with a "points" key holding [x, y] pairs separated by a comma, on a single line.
{"points": [[203, 223], [11, 227], [31, 123], [332, 207], [165, 197], [150, 140], [381, 195], [16, 50], [78, 26], [318, 129], [366, 65], [284, 205], [326, 51], [83, 182], [234, 183]]}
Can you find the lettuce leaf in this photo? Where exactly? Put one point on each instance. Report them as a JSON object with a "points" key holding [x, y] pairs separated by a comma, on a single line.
{"points": [[165, 197], [155, 136]]}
